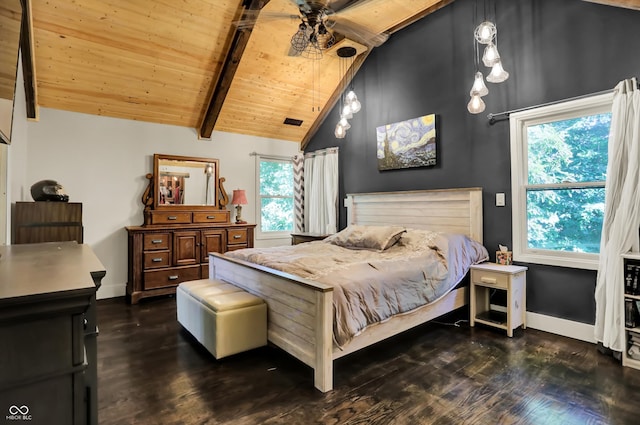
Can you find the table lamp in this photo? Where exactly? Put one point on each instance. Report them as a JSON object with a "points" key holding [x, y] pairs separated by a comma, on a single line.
{"points": [[239, 199]]}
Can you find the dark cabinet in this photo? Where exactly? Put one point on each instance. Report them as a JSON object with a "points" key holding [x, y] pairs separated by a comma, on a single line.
{"points": [[35, 222], [48, 362]]}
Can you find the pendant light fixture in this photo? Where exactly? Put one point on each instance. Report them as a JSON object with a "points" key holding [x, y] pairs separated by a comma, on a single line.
{"points": [[486, 33], [349, 103]]}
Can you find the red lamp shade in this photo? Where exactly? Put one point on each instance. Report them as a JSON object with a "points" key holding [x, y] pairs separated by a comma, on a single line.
{"points": [[239, 197]]}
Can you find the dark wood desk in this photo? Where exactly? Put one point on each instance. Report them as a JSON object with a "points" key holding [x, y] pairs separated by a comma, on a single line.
{"points": [[48, 363]]}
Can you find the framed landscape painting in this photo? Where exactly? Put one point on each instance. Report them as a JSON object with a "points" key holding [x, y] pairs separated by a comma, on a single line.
{"points": [[407, 144]]}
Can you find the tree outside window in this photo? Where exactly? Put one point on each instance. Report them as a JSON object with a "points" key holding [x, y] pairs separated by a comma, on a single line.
{"points": [[559, 167], [276, 196]]}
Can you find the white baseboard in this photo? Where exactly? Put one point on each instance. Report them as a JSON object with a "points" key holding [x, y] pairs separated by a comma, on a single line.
{"points": [[111, 291], [564, 327], [556, 325]]}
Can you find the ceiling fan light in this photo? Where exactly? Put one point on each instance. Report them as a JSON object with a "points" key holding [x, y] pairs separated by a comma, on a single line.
{"points": [[497, 74], [485, 32], [476, 104], [479, 87], [491, 55]]}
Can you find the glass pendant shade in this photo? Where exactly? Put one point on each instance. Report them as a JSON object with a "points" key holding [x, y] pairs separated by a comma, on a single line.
{"points": [[476, 104], [355, 105], [340, 131], [344, 123], [491, 55], [497, 74], [346, 111], [479, 87], [351, 96], [485, 32]]}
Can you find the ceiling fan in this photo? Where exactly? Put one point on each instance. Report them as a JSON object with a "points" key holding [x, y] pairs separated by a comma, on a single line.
{"points": [[321, 26]]}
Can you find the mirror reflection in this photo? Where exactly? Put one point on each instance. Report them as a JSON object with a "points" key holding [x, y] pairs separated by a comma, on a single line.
{"points": [[187, 182]]}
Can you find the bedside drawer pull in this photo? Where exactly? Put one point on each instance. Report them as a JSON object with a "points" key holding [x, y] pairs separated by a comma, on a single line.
{"points": [[156, 241], [491, 280], [174, 277], [156, 260], [236, 236], [172, 217]]}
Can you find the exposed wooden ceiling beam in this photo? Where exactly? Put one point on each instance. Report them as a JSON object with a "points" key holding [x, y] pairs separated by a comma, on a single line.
{"points": [[28, 61], [628, 4], [229, 67], [417, 17]]}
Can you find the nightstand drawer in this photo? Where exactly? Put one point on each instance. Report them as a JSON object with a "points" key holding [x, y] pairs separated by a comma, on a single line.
{"points": [[487, 278]]}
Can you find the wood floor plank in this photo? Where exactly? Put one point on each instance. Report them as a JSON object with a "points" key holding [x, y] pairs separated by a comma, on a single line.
{"points": [[151, 371]]}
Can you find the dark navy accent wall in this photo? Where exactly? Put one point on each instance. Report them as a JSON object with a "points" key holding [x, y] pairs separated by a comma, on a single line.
{"points": [[553, 50]]}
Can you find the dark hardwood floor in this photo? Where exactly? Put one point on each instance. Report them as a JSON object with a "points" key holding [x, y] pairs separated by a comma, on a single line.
{"points": [[150, 371]]}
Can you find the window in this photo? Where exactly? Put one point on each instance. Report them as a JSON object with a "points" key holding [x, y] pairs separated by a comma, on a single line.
{"points": [[275, 192], [559, 167]]}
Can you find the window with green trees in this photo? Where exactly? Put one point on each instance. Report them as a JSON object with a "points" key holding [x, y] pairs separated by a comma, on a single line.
{"points": [[276, 196], [559, 175]]}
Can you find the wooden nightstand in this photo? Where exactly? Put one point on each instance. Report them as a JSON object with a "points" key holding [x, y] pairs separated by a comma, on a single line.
{"points": [[303, 237], [487, 277]]}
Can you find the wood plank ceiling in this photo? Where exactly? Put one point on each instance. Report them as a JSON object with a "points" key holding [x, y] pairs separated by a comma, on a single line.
{"points": [[160, 61]]}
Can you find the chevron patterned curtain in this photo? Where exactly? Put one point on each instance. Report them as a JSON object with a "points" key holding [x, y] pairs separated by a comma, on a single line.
{"points": [[298, 191]]}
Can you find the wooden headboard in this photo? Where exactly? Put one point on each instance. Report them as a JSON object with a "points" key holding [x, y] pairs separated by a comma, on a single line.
{"points": [[442, 210]]}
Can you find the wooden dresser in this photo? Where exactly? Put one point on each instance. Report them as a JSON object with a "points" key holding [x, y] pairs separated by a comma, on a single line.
{"points": [[162, 256], [35, 222], [48, 360]]}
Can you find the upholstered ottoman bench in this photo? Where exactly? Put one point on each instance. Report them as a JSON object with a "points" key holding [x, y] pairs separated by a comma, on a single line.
{"points": [[223, 318]]}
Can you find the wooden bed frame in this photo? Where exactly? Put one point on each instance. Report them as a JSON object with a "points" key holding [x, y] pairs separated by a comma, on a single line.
{"points": [[300, 311]]}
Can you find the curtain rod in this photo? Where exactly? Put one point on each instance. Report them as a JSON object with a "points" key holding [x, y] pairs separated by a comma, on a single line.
{"points": [[502, 116], [275, 157], [322, 151]]}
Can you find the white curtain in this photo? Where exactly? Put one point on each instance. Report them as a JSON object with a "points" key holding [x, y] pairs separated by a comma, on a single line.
{"points": [[622, 213], [321, 191]]}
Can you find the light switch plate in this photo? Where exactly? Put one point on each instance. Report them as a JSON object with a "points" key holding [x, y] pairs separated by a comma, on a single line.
{"points": [[499, 199]]}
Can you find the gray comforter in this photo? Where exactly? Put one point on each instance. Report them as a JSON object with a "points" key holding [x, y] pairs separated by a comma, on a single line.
{"points": [[371, 286]]}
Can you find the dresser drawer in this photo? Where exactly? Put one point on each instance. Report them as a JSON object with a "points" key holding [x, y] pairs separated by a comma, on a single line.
{"points": [[170, 217], [238, 246], [165, 278], [211, 217], [490, 279], [156, 241], [236, 236], [154, 260]]}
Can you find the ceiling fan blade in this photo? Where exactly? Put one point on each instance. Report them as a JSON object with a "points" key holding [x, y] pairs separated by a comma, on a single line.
{"points": [[356, 32], [250, 17]]}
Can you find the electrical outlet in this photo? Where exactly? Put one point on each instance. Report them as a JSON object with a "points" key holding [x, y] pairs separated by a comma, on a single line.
{"points": [[500, 200]]}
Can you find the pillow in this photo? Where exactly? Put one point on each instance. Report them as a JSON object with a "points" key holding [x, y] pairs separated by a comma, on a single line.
{"points": [[376, 238]]}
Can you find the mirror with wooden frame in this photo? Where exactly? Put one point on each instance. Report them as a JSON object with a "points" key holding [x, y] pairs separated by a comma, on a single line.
{"points": [[184, 182]]}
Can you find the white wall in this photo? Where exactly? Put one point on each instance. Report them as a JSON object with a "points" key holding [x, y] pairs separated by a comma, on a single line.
{"points": [[102, 163]]}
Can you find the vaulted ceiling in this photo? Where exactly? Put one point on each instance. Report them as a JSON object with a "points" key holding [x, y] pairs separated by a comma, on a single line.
{"points": [[190, 63]]}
